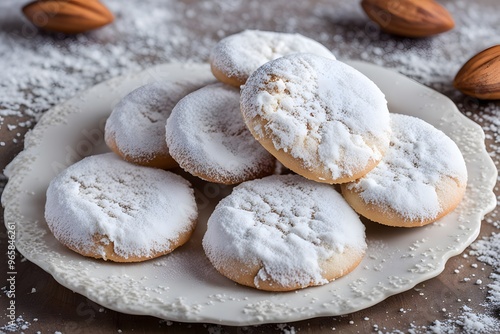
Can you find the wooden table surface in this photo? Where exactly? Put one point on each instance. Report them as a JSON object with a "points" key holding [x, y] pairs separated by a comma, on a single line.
{"points": [[49, 307]]}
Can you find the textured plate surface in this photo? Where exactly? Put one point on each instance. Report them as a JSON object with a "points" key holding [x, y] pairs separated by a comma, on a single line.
{"points": [[183, 286]]}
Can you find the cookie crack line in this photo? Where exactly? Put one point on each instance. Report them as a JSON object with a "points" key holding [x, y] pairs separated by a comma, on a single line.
{"points": [[145, 212], [266, 234], [332, 127]]}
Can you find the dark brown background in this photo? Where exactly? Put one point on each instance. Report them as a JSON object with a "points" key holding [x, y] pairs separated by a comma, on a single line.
{"points": [[50, 307]]}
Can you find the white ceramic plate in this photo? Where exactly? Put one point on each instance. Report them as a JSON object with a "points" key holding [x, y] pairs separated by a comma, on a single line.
{"points": [[183, 286]]}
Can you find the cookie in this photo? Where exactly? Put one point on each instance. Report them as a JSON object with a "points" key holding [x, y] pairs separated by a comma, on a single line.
{"points": [[284, 232], [319, 117], [206, 135], [421, 178], [104, 207], [135, 130], [235, 57]]}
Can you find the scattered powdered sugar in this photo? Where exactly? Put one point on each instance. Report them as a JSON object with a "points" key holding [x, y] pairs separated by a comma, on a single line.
{"points": [[487, 250], [240, 54], [19, 325], [287, 226], [141, 210], [60, 66], [286, 329], [40, 70], [419, 159], [467, 322], [206, 135], [432, 61], [322, 111], [137, 123]]}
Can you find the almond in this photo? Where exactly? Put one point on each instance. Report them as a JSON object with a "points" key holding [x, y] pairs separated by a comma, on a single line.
{"points": [[68, 16], [409, 18], [480, 76]]}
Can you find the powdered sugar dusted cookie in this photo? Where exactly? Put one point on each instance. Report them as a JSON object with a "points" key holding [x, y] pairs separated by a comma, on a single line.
{"points": [[206, 135], [135, 130], [319, 117], [421, 178], [104, 207], [234, 58], [283, 233]]}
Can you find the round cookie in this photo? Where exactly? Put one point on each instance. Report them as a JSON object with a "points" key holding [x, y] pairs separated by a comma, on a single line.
{"points": [[421, 178], [282, 233], [135, 130], [235, 57], [206, 135], [319, 117], [104, 207]]}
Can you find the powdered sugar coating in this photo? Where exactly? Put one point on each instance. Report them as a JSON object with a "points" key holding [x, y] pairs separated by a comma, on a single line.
{"points": [[208, 138], [141, 210], [319, 111], [287, 225], [137, 123], [241, 306], [409, 176], [240, 54]]}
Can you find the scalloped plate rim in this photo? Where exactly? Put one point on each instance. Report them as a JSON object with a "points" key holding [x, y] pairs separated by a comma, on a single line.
{"points": [[9, 198]]}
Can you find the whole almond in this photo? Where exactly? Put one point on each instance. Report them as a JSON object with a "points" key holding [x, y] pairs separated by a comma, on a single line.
{"points": [[480, 75], [68, 16], [409, 18]]}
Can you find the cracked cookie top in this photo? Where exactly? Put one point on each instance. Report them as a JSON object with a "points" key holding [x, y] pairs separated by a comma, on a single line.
{"points": [[284, 232], [107, 208], [320, 117], [421, 178], [135, 130], [235, 57], [206, 135]]}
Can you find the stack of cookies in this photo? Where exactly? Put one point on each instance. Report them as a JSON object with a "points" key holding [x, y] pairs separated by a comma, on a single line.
{"points": [[276, 99]]}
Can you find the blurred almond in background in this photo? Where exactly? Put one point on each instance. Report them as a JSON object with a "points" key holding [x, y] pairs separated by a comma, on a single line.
{"points": [[69, 16], [409, 18], [480, 75]]}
